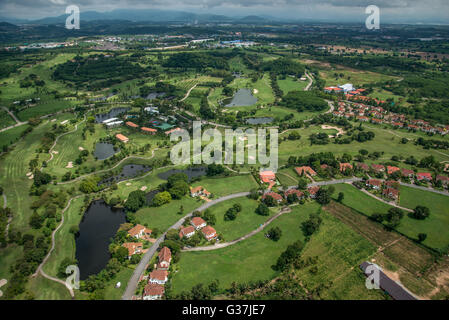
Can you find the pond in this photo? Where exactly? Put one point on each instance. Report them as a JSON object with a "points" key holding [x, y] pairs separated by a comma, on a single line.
{"points": [[155, 95], [104, 150], [128, 171], [260, 120], [242, 98], [193, 172], [99, 118], [99, 224]]}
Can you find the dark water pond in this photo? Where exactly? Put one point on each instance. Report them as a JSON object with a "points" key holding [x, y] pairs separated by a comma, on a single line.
{"points": [[242, 98], [190, 172], [99, 224], [104, 150], [128, 171], [155, 95], [111, 114], [260, 120]]}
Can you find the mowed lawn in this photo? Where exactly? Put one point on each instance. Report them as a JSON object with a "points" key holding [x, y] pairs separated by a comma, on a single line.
{"points": [[436, 226], [11, 135], [231, 264], [247, 220], [224, 186]]}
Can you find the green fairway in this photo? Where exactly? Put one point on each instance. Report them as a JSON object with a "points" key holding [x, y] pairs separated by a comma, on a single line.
{"points": [[11, 135], [45, 289], [5, 119], [291, 84], [223, 186]]}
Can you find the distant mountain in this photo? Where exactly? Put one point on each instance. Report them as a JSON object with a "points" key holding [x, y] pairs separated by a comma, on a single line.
{"points": [[5, 27], [254, 19], [149, 15]]}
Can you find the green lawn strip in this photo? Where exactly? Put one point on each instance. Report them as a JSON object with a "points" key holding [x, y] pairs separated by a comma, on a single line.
{"points": [[291, 84], [123, 276], [11, 135], [224, 186], [436, 226], [231, 264], [44, 289], [247, 220], [8, 256], [5, 119]]}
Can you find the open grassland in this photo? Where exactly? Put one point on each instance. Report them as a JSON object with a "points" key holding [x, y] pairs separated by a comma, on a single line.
{"points": [[291, 84], [340, 251], [44, 289], [8, 257], [226, 264], [44, 107], [247, 220], [287, 177], [342, 75], [436, 226], [5, 119]]}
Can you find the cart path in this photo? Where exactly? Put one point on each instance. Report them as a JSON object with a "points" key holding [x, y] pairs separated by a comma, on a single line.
{"points": [[188, 92]]}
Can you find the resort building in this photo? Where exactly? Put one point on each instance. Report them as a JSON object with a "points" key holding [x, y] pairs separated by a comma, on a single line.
{"points": [[187, 232], [305, 170], [276, 196], [140, 232], [148, 130], [131, 124], [209, 233], [153, 291], [121, 138], [133, 248], [199, 191], [164, 258], [198, 223], [158, 276]]}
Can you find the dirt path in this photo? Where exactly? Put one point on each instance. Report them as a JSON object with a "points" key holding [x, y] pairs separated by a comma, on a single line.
{"points": [[309, 76], [386, 202], [188, 92], [249, 235]]}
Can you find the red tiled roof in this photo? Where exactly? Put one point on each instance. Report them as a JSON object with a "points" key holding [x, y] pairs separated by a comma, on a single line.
{"points": [[131, 124], [160, 275], [363, 166], [148, 129], [374, 182], [137, 229], [197, 221], [424, 175], [208, 231], [164, 255], [185, 231], [378, 167], [298, 193], [154, 289], [313, 190], [305, 169], [274, 195], [391, 170], [391, 191], [266, 176], [345, 166], [121, 137], [407, 172], [132, 247]]}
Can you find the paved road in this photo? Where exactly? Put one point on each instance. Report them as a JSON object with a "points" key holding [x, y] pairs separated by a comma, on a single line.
{"points": [[307, 88], [330, 182], [249, 235], [18, 122], [134, 281], [444, 193]]}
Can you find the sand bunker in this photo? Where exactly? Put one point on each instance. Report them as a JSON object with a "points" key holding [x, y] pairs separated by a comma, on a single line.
{"points": [[55, 152], [31, 177], [80, 148], [128, 184], [255, 91], [69, 165], [143, 188], [340, 130], [29, 174]]}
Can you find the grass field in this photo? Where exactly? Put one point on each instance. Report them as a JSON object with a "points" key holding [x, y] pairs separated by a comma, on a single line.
{"points": [[356, 77], [224, 186], [44, 289], [5, 119], [291, 84], [247, 220], [228, 264], [10, 136]]}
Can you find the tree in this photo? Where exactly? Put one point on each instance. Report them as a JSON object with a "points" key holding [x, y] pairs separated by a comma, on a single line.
{"points": [[421, 213], [310, 226], [323, 196], [275, 233], [161, 198], [262, 209], [209, 217], [269, 201], [422, 237], [63, 266], [302, 184], [121, 254], [136, 200], [179, 189], [378, 217], [341, 196], [36, 220]]}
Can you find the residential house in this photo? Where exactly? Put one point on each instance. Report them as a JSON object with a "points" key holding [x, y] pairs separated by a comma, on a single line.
{"points": [[140, 232], [374, 184], [133, 248], [276, 196], [164, 259], [345, 166], [362, 166], [392, 184], [424, 176], [199, 191], [153, 291], [299, 194], [268, 177], [158, 276], [305, 170], [407, 173], [444, 180], [198, 223], [313, 191], [209, 233], [187, 232], [391, 193], [391, 169], [378, 168]]}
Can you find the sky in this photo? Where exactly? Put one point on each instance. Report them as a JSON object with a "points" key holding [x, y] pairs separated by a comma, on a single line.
{"points": [[411, 11]]}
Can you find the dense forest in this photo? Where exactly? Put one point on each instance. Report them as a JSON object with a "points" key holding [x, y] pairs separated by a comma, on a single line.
{"points": [[196, 60], [303, 101]]}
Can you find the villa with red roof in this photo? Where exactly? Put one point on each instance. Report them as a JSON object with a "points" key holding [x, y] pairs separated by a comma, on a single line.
{"points": [[122, 138], [424, 176], [198, 223], [407, 173], [158, 276], [313, 191], [391, 170], [362, 166], [153, 291], [374, 184], [305, 170], [164, 259], [392, 184], [209, 233], [444, 180], [268, 177], [345, 166], [187, 232], [199, 191], [133, 248], [391, 193], [276, 196], [378, 168], [139, 232], [299, 194]]}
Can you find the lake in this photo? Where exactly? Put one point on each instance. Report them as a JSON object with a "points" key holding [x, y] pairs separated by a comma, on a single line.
{"points": [[128, 171], [260, 120], [113, 113], [191, 173], [242, 98], [104, 150], [99, 224]]}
